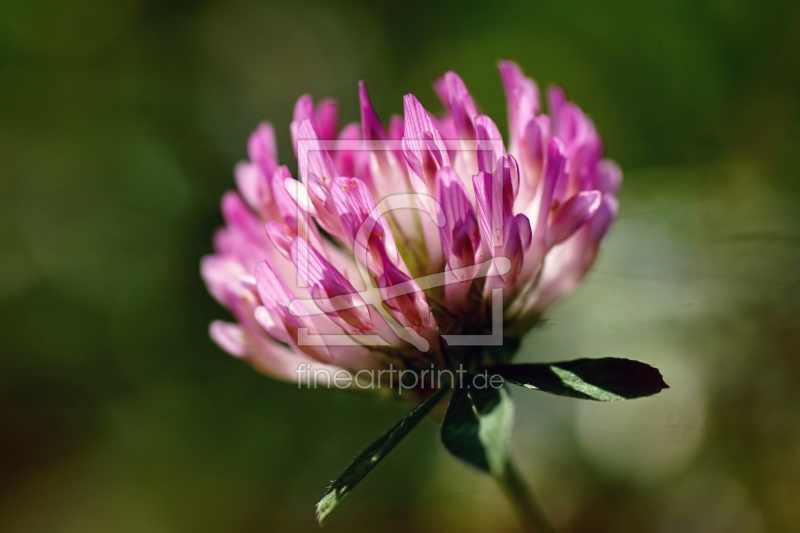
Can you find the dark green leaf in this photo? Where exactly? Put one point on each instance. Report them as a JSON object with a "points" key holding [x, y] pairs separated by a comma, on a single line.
{"points": [[477, 427], [374, 454], [603, 379]]}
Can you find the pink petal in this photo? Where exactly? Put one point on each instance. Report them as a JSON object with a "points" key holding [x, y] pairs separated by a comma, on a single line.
{"points": [[460, 104], [229, 337], [510, 170], [523, 100], [254, 186], [363, 224], [271, 321], [301, 197], [222, 275], [317, 172], [553, 173], [281, 236], [601, 222], [262, 149], [516, 229], [327, 119], [372, 129], [277, 297], [312, 157], [404, 298], [525, 231], [303, 110], [423, 146], [489, 216], [348, 152], [231, 241], [494, 195], [460, 235], [286, 205], [572, 215], [532, 156], [466, 243], [330, 289], [238, 215], [532, 145], [396, 128], [490, 143], [556, 98], [609, 176]]}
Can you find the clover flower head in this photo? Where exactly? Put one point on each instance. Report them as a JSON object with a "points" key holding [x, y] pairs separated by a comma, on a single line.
{"points": [[413, 244]]}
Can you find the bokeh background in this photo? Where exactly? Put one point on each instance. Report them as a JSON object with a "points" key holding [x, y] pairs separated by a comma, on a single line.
{"points": [[120, 124]]}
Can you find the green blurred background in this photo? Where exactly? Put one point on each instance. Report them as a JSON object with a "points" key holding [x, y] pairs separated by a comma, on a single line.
{"points": [[120, 124]]}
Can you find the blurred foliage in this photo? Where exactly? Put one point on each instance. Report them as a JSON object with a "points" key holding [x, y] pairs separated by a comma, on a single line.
{"points": [[120, 123]]}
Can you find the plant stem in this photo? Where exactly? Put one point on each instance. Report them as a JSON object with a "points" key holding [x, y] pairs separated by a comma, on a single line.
{"points": [[528, 509]]}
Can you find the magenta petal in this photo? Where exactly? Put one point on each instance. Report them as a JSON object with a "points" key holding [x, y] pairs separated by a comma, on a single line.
{"points": [[229, 337], [460, 103], [510, 169], [396, 127], [253, 185], [440, 88], [327, 119], [312, 157], [601, 221], [347, 153], [490, 143], [423, 145], [271, 289], [556, 98], [488, 197], [233, 242], [404, 298], [271, 321], [301, 197], [222, 275], [314, 270], [262, 149], [433, 149], [460, 234], [282, 314], [303, 110], [281, 236], [363, 224], [523, 99], [286, 205], [513, 249], [609, 176], [316, 188], [494, 196], [354, 203], [395, 132], [317, 172], [238, 215], [465, 243], [525, 231], [482, 183], [553, 173], [532, 147], [572, 215], [372, 129], [330, 289]]}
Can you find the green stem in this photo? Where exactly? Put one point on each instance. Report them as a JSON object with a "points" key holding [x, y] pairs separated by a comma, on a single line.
{"points": [[528, 509]]}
